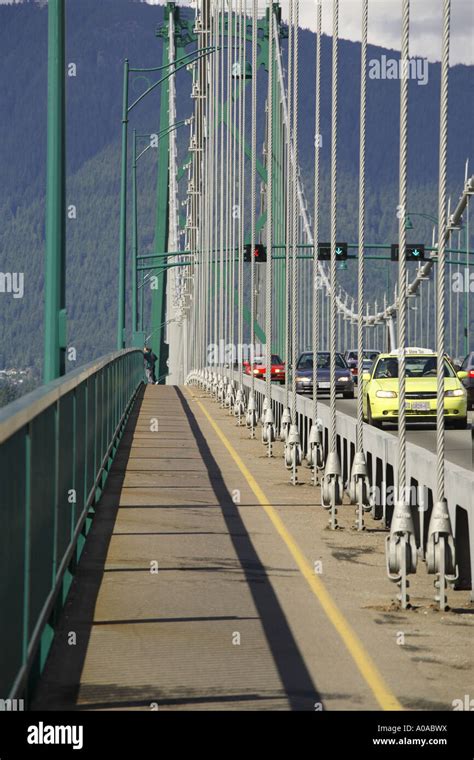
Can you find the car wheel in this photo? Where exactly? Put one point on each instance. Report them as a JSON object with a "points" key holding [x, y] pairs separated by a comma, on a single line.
{"points": [[370, 419], [349, 394]]}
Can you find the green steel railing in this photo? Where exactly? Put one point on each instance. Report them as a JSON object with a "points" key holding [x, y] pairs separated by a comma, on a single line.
{"points": [[56, 448]]}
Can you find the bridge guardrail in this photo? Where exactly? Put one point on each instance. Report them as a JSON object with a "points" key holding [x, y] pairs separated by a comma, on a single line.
{"points": [[56, 447], [381, 450]]}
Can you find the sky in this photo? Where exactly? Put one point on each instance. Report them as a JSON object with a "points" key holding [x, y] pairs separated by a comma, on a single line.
{"points": [[385, 24]]}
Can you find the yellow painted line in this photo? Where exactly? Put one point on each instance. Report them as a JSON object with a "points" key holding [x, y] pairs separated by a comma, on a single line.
{"points": [[362, 659]]}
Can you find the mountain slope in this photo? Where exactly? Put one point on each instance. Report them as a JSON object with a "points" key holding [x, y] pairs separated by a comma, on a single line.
{"points": [[101, 33]]}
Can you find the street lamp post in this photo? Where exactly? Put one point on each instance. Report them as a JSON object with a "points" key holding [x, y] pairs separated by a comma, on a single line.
{"points": [[55, 262], [134, 238], [123, 212], [409, 223], [126, 109]]}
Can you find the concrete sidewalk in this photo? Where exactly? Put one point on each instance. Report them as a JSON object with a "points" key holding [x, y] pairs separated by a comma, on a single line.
{"points": [[187, 597]]}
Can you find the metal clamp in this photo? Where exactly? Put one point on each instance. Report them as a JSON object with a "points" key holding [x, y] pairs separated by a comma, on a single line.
{"points": [[359, 488], [441, 552], [251, 418], [268, 430], [331, 487], [230, 396], [285, 424], [239, 405], [400, 550], [293, 454], [315, 452]]}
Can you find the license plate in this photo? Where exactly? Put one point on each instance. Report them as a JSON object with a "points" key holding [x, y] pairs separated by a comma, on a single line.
{"points": [[420, 406], [324, 385]]}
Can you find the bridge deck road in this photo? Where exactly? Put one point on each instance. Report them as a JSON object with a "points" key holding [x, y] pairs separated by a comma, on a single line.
{"points": [[198, 587]]}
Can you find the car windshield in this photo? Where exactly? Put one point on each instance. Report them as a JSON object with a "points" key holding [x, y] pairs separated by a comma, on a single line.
{"points": [[416, 366], [262, 360], [367, 354], [306, 361]]}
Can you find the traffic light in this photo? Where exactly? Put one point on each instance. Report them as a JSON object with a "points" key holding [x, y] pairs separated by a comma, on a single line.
{"points": [[412, 252], [260, 252], [324, 251]]}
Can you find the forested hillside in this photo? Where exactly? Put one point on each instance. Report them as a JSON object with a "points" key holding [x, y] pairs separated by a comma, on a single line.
{"points": [[101, 33]]}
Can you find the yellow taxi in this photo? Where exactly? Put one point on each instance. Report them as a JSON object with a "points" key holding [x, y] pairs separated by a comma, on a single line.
{"points": [[380, 390]]}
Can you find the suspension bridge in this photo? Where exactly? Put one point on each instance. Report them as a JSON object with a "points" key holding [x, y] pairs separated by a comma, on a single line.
{"points": [[220, 539]]}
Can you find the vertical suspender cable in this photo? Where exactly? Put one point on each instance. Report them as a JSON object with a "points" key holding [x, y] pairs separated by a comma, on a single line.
{"points": [[235, 188], [294, 224], [209, 181], [400, 545], [217, 116], [253, 204], [314, 453], [331, 485], [233, 142], [333, 213], [236, 41], [228, 182], [226, 101], [221, 191], [359, 473], [204, 188], [253, 176], [467, 300], [292, 447], [361, 262], [289, 198], [242, 92], [286, 417], [202, 67], [239, 202], [268, 432], [402, 275], [268, 283], [316, 279], [212, 133], [440, 554]]}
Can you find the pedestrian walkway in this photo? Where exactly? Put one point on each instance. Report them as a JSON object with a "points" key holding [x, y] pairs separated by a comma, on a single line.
{"points": [[193, 594]]}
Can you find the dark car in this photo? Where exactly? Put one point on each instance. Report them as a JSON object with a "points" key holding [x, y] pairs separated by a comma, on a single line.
{"points": [[350, 356], [304, 374], [468, 382]]}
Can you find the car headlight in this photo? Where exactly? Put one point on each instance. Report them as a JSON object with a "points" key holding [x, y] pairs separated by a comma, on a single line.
{"points": [[256, 371], [344, 379], [386, 394], [456, 392], [302, 379], [277, 370]]}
